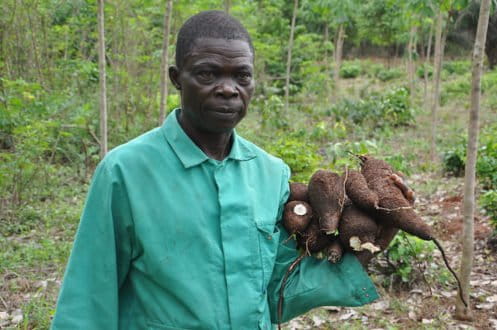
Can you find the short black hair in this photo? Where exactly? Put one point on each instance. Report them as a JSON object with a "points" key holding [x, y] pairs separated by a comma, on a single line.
{"points": [[209, 24]]}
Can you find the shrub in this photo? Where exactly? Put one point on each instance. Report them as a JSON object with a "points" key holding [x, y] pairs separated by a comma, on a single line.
{"points": [[350, 70], [403, 257], [340, 153], [393, 108], [302, 156], [372, 69], [489, 203], [324, 131], [489, 82], [458, 87], [420, 71], [486, 165], [352, 111], [457, 67], [271, 110], [454, 159], [389, 74]]}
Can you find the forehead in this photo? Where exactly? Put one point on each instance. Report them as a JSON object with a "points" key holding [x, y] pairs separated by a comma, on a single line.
{"points": [[220, 50]]}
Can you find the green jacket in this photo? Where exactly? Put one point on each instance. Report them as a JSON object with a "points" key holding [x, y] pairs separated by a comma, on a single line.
{"points": [[170, 239]]}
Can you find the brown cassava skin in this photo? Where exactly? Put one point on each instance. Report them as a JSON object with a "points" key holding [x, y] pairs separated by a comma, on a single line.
{"points": [[293, 222], [364, 257], [355, 222], [394, 209], [385, 236], [313, 239], [334, 251], [327, 196], [298, 192], [358, 191]]}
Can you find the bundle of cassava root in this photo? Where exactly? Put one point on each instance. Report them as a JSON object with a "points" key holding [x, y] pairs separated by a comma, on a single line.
{"points": [[357, 211]]}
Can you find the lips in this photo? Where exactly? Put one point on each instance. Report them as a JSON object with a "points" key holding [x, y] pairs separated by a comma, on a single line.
{"points": [[228, 109], [225, 110]]}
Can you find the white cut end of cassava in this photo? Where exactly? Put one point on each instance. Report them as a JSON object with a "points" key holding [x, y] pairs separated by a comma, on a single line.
{"points": [[370, 246], [355, 243], [300, 209]]}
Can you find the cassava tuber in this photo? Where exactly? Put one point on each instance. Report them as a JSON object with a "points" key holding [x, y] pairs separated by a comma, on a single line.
{"points": [[313, 239], [334, 251], [357, 230], [394, 210], [327, 197], [298, 192], [296, 216]]}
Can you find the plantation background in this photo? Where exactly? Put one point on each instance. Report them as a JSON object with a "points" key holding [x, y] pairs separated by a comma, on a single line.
{"points": [[377, 100]]}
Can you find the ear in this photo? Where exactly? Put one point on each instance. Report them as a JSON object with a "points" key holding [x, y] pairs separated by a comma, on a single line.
{"points": [[174, 76]]}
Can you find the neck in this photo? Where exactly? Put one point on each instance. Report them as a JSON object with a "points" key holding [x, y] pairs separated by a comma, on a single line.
{"points": [[214, 145]]}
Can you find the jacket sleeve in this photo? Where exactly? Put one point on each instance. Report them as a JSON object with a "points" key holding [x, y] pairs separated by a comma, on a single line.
{"points": [[99, 259], [314, 282]]}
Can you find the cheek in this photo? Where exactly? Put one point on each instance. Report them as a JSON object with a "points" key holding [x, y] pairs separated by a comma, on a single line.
{"points": [[193, 94], [248, 92]]}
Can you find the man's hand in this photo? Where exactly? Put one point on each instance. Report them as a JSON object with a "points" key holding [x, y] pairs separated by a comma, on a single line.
{"points": [[406, 191]]}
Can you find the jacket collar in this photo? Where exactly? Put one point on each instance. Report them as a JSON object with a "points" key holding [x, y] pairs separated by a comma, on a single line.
{"points": [[189, 153]]}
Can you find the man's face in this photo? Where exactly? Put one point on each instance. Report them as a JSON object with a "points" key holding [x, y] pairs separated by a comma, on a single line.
{"points": [[216, 84]]}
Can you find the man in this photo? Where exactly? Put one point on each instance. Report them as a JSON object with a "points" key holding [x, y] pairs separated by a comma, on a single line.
{"points": [[180, 228]]}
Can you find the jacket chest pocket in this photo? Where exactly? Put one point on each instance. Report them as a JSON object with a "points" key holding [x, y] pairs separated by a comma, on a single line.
{"points": [[268, 236]]}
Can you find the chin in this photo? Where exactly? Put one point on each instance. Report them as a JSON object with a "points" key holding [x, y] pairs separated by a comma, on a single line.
{"points": [[221, 126]]}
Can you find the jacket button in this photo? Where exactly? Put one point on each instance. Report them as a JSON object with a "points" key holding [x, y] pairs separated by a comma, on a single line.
{"points": [[269, 237]]}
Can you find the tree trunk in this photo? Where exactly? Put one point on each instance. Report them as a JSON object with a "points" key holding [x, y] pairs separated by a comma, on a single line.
{"points": [[227, 5], [165, 61], [436, 84], [338, 57], [103, 87], [464, 312], [410, 63], [425, 71], [34, 45], [289, 56], [326, 38]]}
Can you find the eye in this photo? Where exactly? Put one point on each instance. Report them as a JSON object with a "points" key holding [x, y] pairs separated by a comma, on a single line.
{"points": [[244, 77], [206, 75]]}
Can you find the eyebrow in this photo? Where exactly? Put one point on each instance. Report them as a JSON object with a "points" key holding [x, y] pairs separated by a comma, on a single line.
{"points": [[215, 65]]}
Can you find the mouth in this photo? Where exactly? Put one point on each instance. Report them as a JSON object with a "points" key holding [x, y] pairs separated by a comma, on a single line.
{"points": [[225, 110]]}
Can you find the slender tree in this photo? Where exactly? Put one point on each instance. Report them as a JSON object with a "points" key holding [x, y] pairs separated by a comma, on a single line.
{"points": [[426, 97], [227, 5], [165, 61], [103, 87], [338, 56], [289, 55], [436, 82], [411, 48], [462, 311]]}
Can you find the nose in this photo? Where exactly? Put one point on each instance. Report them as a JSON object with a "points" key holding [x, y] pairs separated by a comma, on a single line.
{"points": [[226, 89]]}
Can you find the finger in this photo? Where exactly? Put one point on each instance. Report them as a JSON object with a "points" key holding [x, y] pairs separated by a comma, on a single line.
{"points": [[406, 191]]}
